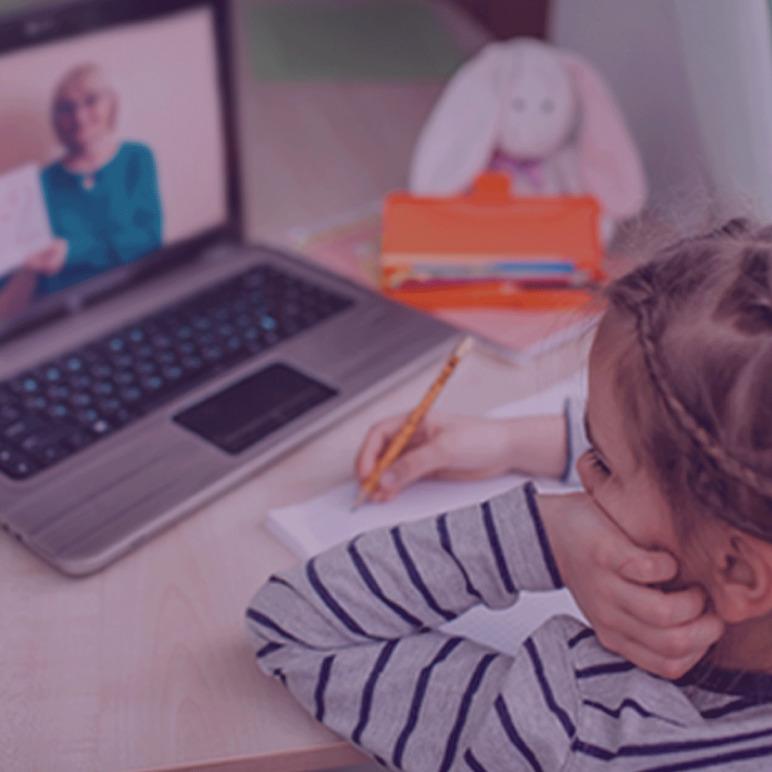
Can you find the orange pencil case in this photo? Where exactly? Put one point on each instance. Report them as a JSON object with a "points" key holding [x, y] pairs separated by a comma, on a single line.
{"points": [[490, 248]]}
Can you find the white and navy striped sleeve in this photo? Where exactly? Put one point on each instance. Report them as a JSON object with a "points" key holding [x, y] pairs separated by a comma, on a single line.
{"points": [[352, 634]]}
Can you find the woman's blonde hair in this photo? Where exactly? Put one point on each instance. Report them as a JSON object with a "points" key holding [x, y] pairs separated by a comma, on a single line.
{"points": [[77, 73]]}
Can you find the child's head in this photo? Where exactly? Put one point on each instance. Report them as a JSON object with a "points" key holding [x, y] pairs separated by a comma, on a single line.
{"points": [[680, 408], [84, 108]]}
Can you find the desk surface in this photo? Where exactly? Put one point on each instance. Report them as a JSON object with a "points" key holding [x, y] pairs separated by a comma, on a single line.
{"points": [[146, 665]]}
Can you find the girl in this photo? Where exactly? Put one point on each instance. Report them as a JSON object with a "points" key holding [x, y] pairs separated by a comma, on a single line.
{"points": [[680, 425]]}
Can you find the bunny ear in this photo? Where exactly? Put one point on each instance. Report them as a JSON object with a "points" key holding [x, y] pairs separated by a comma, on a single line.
{"points": [[458, 139], [608, 158]]}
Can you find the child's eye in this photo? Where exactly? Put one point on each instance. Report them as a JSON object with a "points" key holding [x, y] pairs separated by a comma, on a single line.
{"points": [[598, 464]]}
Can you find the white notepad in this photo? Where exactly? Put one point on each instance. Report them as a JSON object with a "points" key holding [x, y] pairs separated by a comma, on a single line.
{"points": [[323, 521], [24, 225]]}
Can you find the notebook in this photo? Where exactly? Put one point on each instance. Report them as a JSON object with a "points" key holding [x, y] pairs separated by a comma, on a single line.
{"points": [[311, 526], [148, 358]]}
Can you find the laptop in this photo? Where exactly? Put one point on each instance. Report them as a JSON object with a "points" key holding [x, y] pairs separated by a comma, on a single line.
{"points": [[149, 359]]}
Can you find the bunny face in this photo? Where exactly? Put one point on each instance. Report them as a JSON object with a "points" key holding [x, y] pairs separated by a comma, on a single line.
{"points": [[538, 106], [531, 101]]}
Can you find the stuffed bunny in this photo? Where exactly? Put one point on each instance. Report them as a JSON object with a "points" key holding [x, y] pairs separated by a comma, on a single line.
{"points": [[542, 115]]}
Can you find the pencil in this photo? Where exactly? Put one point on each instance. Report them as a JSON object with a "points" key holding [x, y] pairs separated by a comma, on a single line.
{"points": [[408, 429]]}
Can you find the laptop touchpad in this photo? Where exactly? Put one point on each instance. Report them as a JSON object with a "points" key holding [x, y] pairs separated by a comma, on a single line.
{"points": [[248, 411]]}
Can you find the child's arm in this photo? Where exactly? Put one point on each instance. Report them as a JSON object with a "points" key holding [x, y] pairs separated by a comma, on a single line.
{"points": [[608, 574], [351, 633], [454, 447]]}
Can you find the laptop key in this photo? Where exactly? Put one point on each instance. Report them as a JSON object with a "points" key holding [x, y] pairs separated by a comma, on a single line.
{"points": [[8, 414], [100, 427], [77, 438], [147, 367], [74, 364], [123, 361], [16, 465], [103, 388], [116, 345], [50, 454], [37, 441], [120, 417], [125, 378], [81, 399], [58, 410], [38, 402], [152, 383], [109, 405], [88, 416], [192, 363], [18, 430], [101, 370], [136, 335], [60, 392], [172, 373], [6, 395], [130, 394], [80, 382], [187, 348], [25, 385]]}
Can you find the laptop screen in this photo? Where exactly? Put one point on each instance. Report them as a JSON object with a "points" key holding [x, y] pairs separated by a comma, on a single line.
{"points": [[112, 151]]}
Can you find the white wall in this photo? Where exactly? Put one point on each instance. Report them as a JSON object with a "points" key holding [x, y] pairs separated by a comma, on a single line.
{"points": [[694, 78], [727, 48]]}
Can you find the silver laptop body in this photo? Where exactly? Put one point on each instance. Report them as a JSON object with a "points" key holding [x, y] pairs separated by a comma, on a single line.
{"points": [[89, 507]]}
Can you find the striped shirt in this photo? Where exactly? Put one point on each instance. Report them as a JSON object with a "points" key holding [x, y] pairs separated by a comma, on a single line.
{"points": [[352, 633]]}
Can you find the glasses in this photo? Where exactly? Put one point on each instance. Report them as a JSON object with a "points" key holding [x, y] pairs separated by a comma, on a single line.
{"points": [[67, 107]]}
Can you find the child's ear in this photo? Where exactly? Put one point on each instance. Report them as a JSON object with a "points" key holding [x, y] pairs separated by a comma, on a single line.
{"points": [[741, 575]]}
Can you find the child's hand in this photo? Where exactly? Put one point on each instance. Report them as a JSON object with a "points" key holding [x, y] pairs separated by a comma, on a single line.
{"points": [[664, 633], [452, 447], [49, 260]]}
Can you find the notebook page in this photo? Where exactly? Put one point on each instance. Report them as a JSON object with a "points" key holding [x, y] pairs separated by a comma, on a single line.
{"points": [[323, 521]]}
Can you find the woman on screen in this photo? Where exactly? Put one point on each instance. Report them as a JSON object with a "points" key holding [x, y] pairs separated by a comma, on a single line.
{"points": [[102, 195]]}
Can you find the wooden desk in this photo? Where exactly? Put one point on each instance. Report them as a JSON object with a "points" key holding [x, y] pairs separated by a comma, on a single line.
{"points": [[146, 665]]}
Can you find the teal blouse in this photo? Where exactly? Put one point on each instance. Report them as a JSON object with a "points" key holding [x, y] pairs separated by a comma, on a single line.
{"points": [[116, 221]]}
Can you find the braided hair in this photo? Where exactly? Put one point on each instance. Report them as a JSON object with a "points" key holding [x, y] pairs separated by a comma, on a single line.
{"points": [[697, 378]]}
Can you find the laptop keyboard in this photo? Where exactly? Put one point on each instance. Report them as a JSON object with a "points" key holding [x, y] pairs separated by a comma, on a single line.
{"points": [[64, 405]]}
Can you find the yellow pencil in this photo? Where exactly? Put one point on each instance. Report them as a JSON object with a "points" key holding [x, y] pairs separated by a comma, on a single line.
{"points": [[408, 429]]}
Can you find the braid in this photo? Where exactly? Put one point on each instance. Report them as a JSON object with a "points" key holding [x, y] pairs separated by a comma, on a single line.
{"points": [[703, 477], [649, 295]]}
